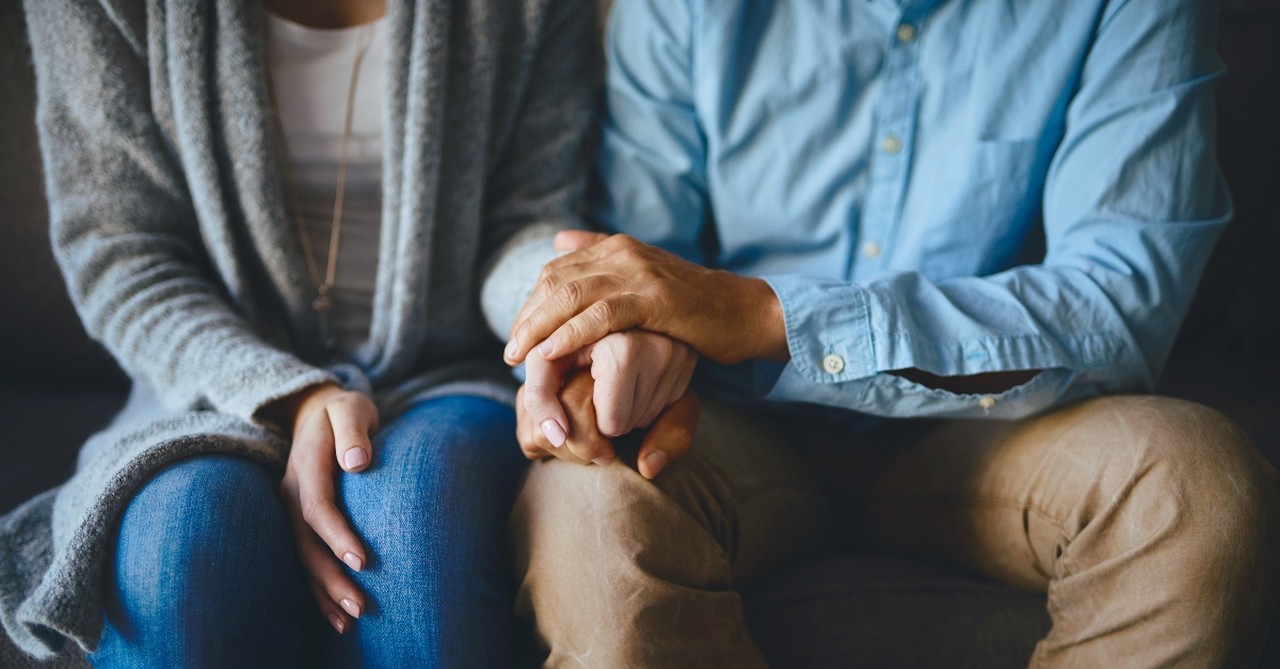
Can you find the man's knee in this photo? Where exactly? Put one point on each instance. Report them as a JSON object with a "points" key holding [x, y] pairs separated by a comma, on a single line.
{"points": [[1188, 449], [1182, 466], [610, 565], [571, 509]]}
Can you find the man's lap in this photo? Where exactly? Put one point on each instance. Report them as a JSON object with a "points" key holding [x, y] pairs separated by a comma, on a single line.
{"points": [[1106, 486]]}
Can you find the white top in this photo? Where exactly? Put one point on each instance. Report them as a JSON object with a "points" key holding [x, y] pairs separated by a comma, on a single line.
{"points": [[310, 74]]}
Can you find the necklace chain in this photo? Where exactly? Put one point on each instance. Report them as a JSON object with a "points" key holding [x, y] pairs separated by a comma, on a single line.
{"points": [[323, 301]]}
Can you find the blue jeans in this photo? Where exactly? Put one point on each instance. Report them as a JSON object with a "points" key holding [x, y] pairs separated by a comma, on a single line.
{"points": [[204, 572]]}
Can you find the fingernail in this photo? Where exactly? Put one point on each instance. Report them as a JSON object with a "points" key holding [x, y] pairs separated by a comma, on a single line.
{"points": [[350, 607], [355, 458], [602, 461], [545, 348], [656, 461], [510, 351], [553, 431], [353, 561], [337, 623]]}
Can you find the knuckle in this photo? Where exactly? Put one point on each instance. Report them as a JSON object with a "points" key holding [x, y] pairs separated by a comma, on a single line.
{"points": [[546, 283], [627, 346], [666, 348], [313, 512], [570, 294], [658, 291], [581, 451], [576, 401], [309, 513], [538, 394], [632, 254], [575, 330], [603, 312], [577, 394], [612, 426], [649, 416]]}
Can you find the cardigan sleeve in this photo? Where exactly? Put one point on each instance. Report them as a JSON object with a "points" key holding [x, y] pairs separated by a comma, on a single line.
{"points": [[124, 229], [540, 174]]}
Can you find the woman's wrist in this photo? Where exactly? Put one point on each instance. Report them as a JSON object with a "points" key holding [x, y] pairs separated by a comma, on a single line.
{"points": [[288, 410]]}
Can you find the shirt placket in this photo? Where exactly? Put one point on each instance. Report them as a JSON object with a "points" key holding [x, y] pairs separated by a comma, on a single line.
{"points": [[895, 117]]}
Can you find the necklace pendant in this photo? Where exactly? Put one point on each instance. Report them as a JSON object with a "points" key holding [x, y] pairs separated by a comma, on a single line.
{"points": [[322, 303]]}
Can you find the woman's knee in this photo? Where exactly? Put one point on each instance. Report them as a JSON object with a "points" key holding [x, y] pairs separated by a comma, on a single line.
{"points": [[442, 452], [442, 482], [204, 572], [209, 523]]}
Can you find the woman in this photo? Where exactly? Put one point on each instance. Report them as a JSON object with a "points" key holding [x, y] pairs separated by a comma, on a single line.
{"points": [[285, 254]]}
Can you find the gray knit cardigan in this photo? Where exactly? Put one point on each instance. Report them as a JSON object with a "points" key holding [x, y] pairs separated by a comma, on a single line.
{"points": [[170, 228]]}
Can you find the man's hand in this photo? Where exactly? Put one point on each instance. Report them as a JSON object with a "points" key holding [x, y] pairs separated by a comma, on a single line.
{"points": [[669, 437], [619, 283], [331, 429], [637, 375]]}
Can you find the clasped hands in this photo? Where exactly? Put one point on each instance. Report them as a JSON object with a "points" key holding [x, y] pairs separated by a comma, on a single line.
{"points": [[636, 317], [618, 326]]}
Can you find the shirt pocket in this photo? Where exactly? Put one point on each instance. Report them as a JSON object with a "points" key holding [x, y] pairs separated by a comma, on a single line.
{"points": [[983, 202], [1008, 177]]}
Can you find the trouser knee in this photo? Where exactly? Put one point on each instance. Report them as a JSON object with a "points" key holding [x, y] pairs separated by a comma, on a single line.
{"points": [[1179, 464]]}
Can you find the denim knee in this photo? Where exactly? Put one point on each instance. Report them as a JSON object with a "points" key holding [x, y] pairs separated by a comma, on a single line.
{"points": [[439, 469], [204, 566], [432, 510]]}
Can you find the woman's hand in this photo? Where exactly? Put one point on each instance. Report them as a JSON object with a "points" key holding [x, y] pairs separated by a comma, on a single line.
{"points": [[668, 438], [637, 374], [331, 429]]}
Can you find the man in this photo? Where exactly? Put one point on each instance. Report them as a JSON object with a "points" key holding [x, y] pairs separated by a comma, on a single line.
{"points": [[905, 209]]}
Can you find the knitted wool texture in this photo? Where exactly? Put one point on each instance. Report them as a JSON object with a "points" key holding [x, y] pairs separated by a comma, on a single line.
{"points": [[169, 224]]}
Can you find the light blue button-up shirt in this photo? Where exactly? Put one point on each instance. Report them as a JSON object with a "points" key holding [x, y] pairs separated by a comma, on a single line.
{"points": [[960, 186]]}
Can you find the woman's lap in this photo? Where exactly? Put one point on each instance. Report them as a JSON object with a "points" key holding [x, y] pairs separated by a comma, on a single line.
{"points": [[204, 570]]}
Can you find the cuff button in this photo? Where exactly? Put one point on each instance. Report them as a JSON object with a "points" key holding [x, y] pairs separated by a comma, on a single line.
{"points": [[833, 364]]}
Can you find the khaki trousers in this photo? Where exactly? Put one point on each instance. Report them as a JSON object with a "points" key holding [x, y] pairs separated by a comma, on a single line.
{"points": [[1150, 523]]}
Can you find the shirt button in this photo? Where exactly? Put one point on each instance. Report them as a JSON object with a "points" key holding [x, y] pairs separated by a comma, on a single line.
{"points": [[891, 144], [987, 402], [906, 33], [833, 364], [871, 250]]}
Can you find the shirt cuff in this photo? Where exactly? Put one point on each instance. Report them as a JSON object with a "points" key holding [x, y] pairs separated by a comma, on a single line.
{"points": [[828, 329]]}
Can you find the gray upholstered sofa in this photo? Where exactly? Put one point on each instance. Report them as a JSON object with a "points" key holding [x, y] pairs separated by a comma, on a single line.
{"points": [[842, 609]]}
